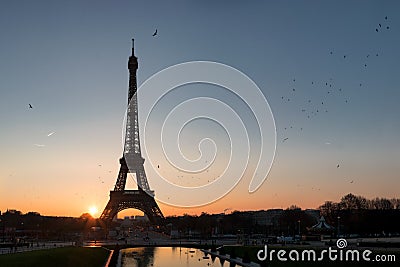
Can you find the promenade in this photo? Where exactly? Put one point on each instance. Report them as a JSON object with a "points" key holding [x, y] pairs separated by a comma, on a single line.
{"points": [[34, 246]]}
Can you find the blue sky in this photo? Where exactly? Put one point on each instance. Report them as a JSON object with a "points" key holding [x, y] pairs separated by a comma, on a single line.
{"points": [[69, 60]]}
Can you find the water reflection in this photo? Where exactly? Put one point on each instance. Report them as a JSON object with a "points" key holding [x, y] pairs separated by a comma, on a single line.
{"points": [[139, 257], [167, 257]]}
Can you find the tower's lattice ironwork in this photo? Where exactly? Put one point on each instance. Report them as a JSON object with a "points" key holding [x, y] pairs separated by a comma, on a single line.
{"points": [[142, 198]]}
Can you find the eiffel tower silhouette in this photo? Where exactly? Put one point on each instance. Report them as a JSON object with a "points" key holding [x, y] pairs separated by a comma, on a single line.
{"points": [[142, 198]]}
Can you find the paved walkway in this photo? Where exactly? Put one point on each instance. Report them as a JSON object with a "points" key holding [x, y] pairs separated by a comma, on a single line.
{"points": [[36, 246]]}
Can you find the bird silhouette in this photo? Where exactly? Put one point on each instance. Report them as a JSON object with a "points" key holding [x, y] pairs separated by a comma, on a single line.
{"points": [[380, 26], [376, 30], [387, 27], [338, 166], [386, 17], [155, 33], [285, 139], [30, 106]]}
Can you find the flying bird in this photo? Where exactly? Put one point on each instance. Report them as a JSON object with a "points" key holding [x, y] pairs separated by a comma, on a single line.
{"points": [[376, 30], [337, 166], [285, 139], [386, 17], [155, 33], [30, 106], [380, 26], [39, 145], [50, 134]]}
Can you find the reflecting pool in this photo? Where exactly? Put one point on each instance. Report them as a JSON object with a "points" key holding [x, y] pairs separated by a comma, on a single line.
{"points": [[167, 257]]}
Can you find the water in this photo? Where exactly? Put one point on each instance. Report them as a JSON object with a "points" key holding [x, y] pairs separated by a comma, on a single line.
{"points": [[167, 257]]}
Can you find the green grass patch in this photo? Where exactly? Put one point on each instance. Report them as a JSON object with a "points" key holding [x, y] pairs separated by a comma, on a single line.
{"points": [[67, 256]]}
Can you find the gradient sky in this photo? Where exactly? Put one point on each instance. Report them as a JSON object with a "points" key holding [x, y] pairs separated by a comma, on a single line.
{"points": [[69, 60]]}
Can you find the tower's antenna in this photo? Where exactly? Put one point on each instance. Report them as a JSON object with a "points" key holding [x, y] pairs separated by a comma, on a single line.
{"points": [[133, 47]]}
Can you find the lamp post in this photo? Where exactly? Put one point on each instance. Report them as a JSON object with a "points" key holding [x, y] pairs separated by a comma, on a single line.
{"points": [[299, 229], [4, 229], [338, 226]]}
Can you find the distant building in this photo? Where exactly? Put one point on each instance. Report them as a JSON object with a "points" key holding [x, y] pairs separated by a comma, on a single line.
{"points": [[273, 216], [260, 217], [140, 218], [268, 217], [313, 213]]}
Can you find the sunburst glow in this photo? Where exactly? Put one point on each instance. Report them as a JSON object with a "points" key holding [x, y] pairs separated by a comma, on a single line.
{"points": [[93, 211]]}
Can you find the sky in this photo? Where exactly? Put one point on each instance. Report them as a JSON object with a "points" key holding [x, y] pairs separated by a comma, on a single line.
{"points": [[329, 71]]}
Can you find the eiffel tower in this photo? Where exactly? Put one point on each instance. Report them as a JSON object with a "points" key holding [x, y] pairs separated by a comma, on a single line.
{"points": [[142, 198]]}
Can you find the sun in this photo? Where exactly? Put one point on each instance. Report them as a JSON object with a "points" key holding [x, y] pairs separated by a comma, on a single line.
{"points": [[93, 210]]}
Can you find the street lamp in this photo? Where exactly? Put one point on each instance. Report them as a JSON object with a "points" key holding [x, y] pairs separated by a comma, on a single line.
{"points": [[338, 226], [4, 229], [299, 229]]}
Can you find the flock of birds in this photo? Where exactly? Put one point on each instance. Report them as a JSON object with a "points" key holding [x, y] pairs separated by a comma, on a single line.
{"points": [[315, 107], [380, 26], [311, 107]]}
